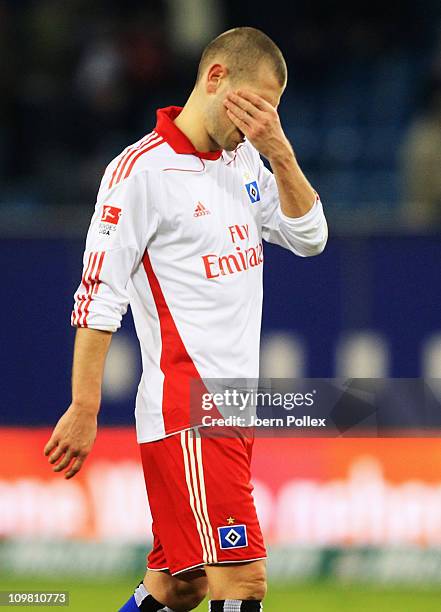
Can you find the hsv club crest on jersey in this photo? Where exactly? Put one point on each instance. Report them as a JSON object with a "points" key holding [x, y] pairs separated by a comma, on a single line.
{"points": [[253, 192], [233, 537]]}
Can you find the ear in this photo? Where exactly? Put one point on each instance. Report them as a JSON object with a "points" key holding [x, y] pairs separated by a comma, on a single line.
{"points": [[215, 74]]}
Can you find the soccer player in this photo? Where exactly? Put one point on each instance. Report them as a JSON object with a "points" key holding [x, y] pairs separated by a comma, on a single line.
{"points": [[177, 233]]}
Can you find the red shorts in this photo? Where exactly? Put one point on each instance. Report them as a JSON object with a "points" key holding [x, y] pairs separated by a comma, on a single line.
{"points": [[201, 501]]}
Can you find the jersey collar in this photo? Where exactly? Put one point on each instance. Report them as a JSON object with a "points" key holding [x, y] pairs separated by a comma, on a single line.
{"points": [[173, 135]]}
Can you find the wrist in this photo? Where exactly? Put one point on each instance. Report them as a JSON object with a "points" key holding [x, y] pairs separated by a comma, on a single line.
{"points": [[88, 406], [284, 157]]}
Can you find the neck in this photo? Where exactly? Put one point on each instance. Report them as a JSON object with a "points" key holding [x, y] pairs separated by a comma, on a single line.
{"points": [[191, 123]]}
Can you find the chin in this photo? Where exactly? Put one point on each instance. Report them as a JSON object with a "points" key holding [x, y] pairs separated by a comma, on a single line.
{"points": [[233, 144]]}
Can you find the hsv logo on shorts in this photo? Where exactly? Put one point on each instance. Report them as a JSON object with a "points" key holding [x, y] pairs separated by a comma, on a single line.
{"points": [[233, 537], [111, 214], [253, 192]]}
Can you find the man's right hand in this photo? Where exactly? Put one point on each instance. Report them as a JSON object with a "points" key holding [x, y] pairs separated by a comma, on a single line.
{"points": [[72, 440]]}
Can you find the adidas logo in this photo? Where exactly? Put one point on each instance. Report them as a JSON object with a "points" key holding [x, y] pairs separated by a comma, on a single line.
{"points": [[200, 210]]}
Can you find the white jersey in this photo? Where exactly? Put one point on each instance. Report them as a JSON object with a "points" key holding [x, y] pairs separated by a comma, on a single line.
{"points": [[178, 235]]}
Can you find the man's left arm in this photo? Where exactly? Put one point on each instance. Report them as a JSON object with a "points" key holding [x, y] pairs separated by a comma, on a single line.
{"points": [[295, 217]]}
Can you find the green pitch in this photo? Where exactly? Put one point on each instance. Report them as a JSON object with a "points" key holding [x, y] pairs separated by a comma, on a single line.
{"points": [[107, 596]]}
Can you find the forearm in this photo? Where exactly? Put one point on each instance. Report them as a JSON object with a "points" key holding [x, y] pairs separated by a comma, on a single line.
{"points": [[91, 347], [296, 194], [294, 217]]}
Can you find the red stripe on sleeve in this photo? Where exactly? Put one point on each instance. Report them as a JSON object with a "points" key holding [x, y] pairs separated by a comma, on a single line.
{"points": [[120, 165], [82, 296], [93, 287], [142, 152]]}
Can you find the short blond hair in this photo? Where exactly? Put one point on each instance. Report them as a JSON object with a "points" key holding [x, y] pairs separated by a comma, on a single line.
{"points": [[243, 49]]}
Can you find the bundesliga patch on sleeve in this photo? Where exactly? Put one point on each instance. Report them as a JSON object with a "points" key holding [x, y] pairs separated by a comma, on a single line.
{"points": [[109, 219], [233, 536], [253, 192], [111, 214]]}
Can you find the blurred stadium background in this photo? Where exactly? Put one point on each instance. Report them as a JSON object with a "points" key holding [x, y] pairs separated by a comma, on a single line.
{"points": [[353, 524]]}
